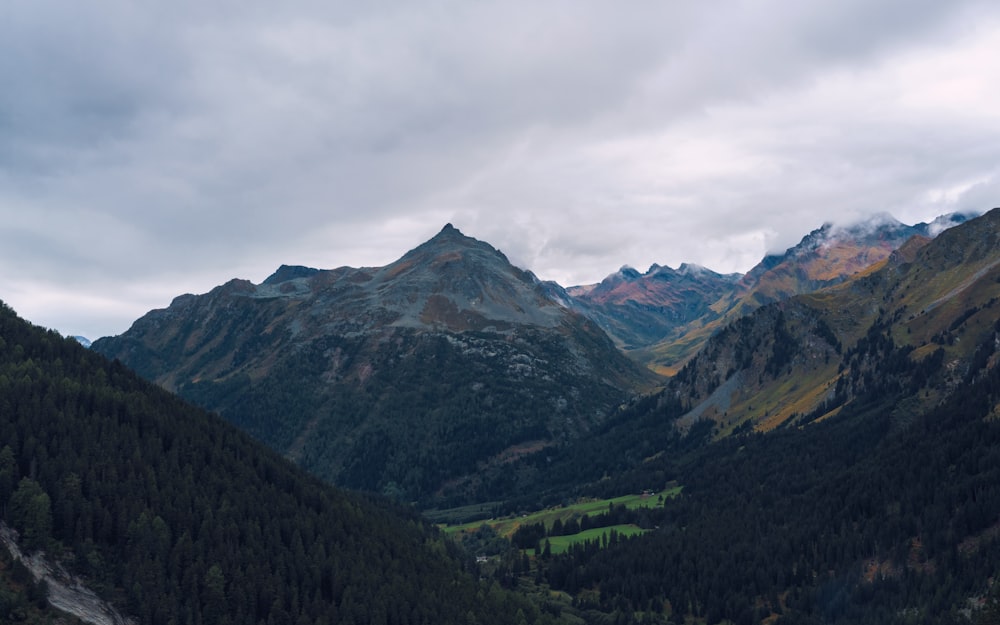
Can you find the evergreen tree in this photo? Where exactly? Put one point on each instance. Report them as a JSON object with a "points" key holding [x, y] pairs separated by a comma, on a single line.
{"points": [[31, 513]]}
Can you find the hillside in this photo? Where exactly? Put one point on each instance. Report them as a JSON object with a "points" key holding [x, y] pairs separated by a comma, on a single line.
{"points": [[859, 518], [838, 453], [930, 305], [422, 379], [177, 517]]}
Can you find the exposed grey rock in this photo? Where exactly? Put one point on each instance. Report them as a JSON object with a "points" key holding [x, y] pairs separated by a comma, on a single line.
{"points": [[65, 592]]}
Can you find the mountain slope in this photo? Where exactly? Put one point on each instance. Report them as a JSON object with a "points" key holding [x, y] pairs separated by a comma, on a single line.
{"points": [[825, 257], [177, 517], [912, 326], [421, 379], [859, 518]]}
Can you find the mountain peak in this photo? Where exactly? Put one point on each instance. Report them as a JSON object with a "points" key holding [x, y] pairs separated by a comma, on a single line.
{"points": [[629, 273], [450, 244], [450, 281], [449, 241], [877, 227], [290, 272], [450, 233], [944, 222], [692, 269]]}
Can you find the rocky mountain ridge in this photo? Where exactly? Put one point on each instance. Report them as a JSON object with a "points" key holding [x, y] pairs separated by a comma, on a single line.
{"points": [[639, 309], [824, 257], [918, 321], [411, 379]]}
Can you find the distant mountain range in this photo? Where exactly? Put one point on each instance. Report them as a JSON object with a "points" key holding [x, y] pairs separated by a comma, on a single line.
{"points": [[641, 309], [664, 316]]}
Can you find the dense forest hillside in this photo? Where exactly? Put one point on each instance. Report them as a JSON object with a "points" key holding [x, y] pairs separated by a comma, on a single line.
{"points": [[178, 518], [861, 518], [415, 380]]}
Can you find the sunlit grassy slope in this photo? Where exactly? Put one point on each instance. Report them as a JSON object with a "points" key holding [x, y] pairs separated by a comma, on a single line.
{"points": [[508, 525]]}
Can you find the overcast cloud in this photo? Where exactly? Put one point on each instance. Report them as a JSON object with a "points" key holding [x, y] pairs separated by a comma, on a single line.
{"points": [[149, 151]]}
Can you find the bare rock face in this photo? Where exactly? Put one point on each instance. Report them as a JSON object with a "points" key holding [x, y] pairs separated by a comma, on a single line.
{"points": [[406, 379], [65, 592]]}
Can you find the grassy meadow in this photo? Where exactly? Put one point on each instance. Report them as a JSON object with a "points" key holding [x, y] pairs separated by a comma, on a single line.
{"points": [[508, 525]]}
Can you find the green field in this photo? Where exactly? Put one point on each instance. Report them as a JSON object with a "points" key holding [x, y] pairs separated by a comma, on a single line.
{"points": [[508, 525], [560, 544]]}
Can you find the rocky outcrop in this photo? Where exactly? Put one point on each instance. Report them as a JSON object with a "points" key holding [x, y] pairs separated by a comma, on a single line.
{"points": [[66, 592]]}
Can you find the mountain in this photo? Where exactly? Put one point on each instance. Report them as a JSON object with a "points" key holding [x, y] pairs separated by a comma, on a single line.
{"points": [[422, 379], [830, 255], [837, 452], [639, 309], [924, 310], [826, 256], [176, 517]]}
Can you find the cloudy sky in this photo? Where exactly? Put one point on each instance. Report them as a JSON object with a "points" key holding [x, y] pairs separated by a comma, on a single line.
{"points": [[153, 149]]}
